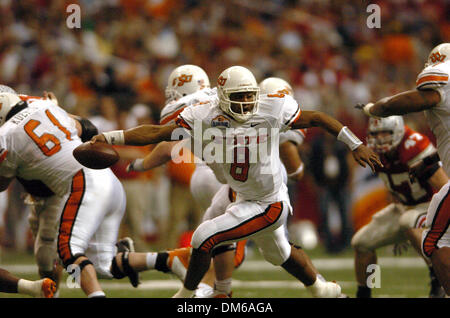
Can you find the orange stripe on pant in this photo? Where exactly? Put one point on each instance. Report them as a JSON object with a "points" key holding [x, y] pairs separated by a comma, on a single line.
{"points": [[251, 226], [439, 226], [69, 216], [239, 254]]}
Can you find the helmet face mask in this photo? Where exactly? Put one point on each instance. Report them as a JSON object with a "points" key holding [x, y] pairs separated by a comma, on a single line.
{"points": [[439, 54], [185, 80], [385, 134], [238, 93]]}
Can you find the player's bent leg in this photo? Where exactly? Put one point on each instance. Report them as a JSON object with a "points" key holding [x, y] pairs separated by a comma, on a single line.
{"points": [[80, 266], [383, 229], [198, 266], [276, 249], [436, 236]]}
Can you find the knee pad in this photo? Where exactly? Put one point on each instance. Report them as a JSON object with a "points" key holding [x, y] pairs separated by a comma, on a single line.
{"points": [[277, 256], [223, 248], [201, 234], [68, 265], [117, 273]]}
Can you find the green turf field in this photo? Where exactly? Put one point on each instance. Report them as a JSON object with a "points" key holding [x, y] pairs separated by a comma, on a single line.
{"points": [[403, 276]]}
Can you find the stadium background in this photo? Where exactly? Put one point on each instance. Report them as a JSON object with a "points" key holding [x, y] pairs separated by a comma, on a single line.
{"points": [[114, 69]]}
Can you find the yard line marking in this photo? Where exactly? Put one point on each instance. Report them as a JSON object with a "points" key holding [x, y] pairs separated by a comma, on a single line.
{"points": [[176, 284], [261, 265]]}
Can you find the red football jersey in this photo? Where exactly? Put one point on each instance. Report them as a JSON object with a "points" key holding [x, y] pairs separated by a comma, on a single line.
{"points": [[395, 173]]}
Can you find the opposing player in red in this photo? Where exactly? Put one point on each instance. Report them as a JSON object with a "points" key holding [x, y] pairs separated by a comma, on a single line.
{"points": [[412, 173], [432, 95]]}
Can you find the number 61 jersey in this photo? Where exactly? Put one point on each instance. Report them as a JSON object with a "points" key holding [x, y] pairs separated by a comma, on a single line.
{"points": [[37, 144], [395, 174], [243, 155]]}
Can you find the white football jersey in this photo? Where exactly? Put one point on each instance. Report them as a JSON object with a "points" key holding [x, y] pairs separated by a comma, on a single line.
{"points": [[172, 109], [436, 77], [37, 144], [245, 155]]}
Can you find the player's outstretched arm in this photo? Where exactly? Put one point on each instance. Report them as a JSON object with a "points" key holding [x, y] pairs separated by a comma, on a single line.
{"points": [[403, 103], [137, 136], [160, 155], [362, 154]]}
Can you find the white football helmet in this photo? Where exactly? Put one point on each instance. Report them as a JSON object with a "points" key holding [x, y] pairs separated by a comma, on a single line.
{"points": [[275, 85], [237, 79], [7, 102], [439, 54], [185, 80], [392, 124], [7, 89]]}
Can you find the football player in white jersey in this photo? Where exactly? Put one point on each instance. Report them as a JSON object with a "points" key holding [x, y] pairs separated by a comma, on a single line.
{"points": [[401, 149], [432, 95], [262, 203], [36, 142], [204, 184]]}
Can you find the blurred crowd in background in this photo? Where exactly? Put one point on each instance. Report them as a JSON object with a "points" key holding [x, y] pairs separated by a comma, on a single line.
{"points": [[114, 69]]}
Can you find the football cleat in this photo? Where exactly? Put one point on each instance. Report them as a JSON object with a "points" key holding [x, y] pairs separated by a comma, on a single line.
{"points": [[125, 246], [212, 293], [48, 288]]}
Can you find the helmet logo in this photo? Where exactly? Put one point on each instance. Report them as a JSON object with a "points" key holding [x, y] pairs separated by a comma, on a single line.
{"points": [[182, 79], [437, 57], [221, 80]]}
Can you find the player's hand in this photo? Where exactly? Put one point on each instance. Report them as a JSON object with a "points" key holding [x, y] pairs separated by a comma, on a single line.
{"points": [[364, 155], [400, 248], [98, 138], [360, 106]]}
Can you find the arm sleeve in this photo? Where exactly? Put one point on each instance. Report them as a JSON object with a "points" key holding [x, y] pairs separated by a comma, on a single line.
{"points": [[435, 78], [290, 113]]}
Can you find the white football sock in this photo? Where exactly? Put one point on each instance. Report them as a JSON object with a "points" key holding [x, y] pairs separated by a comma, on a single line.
{"points": [[28, 287], [151, 260], [223, 286], [96, 294], [184, 293]]}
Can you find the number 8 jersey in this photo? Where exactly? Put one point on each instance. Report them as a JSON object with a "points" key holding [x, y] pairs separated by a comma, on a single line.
{"points": [[243, 155], [37, 144]]}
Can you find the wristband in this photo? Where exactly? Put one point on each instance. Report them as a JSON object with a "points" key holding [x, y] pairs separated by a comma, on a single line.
{"points": [[136, 165], [115, 137], [366, 110], [349, 138], [299, 170]]}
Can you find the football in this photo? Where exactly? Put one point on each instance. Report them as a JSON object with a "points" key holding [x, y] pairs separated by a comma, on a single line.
{"points": [[96, 156]]}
